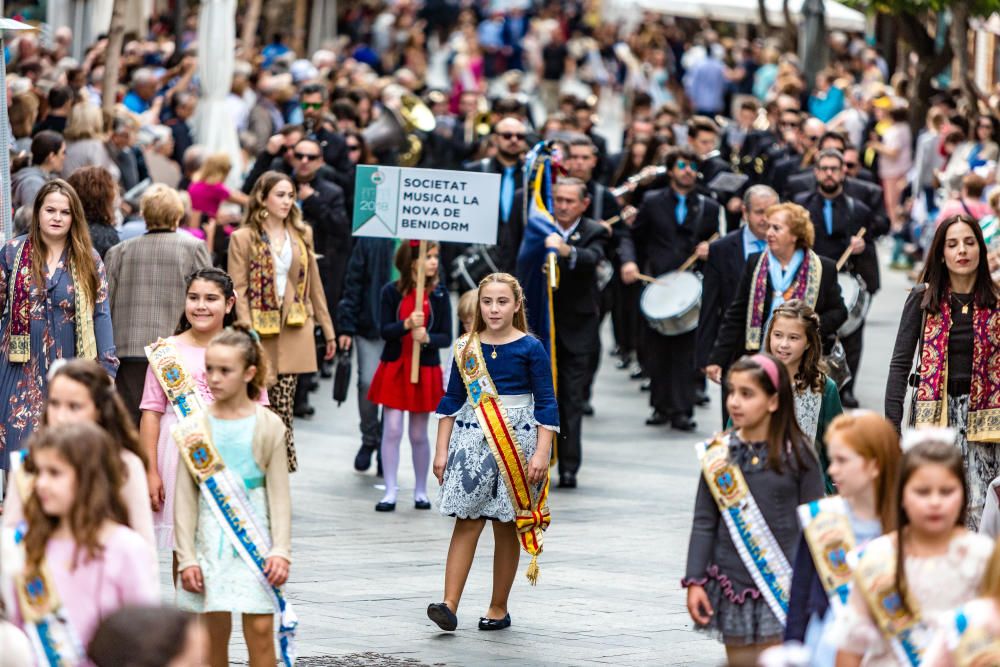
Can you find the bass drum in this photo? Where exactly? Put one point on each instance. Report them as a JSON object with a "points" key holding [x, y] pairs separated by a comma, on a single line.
{"points": [[836, 365], [672, 303], [472, 266], [858, 301]]}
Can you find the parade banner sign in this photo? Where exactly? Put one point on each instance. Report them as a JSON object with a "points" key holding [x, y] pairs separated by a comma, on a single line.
{"points": [[426, 204]]}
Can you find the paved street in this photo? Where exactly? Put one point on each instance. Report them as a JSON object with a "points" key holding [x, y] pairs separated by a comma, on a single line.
{"points": [[609, 589]]}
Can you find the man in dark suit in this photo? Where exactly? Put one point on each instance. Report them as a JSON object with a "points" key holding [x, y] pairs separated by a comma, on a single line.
{"points": [[508, 137], [724, 266], [672, 223], [837, 218], [581, 245]]}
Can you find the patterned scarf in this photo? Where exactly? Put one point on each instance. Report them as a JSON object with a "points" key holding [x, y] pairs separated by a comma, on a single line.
{"points": [[19, 297], [984, 400], [805, 286], [265, 303]]}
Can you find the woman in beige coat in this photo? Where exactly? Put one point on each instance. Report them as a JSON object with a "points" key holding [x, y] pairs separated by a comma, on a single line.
{"points": [[278, 290]]}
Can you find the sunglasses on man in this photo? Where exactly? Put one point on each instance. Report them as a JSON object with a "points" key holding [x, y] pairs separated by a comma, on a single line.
{"points": [[684, 164], [311, 106], [520, 136], [305, 157]]}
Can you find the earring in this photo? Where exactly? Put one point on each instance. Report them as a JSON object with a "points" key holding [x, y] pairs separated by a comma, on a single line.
{"points": [[261, 215]]}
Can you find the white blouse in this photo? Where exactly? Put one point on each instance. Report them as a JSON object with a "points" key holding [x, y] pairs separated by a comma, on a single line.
{"points": [[282, 260]]}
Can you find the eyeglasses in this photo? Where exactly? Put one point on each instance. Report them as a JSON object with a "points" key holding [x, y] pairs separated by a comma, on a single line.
{"points": [[305, 157], [786, 124], [684, 164], [830, 167], [851, 165], [520, 136], [315, 106]]}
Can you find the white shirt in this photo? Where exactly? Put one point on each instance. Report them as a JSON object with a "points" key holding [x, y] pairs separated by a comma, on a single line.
{"points": [[282, 265]]}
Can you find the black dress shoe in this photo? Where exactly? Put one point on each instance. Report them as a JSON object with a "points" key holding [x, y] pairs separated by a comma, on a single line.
{"points": [[494, 623], [683, 423], [363, 459], [847, 399], [384, 506], [637, 374], [647, 385], [623, 363], [588, 409], [313, 385], [567, 480], [701, 399], [444, 617], [657, 419], [421, 504]]}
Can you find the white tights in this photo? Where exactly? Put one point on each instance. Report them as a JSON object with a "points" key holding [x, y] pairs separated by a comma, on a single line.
{"points": [[392, 435]]}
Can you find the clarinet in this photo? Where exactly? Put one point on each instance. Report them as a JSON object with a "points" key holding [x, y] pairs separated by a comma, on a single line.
{"points": [[625, 187]]}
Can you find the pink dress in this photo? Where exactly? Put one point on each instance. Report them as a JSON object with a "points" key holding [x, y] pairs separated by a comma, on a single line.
{"points": [[94, 589], [167, 457], [206, 197]]}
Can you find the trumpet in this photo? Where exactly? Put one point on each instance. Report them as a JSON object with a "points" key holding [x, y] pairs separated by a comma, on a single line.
{"points": [[632, 181]]}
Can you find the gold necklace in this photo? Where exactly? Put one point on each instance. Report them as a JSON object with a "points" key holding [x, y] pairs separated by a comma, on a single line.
{"points": [[964, 304], [494, 355]]}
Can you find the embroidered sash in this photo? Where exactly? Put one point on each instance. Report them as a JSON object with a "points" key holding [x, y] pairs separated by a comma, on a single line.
{"points": [[55, 642], [265, 302], [227, 498], [875, 577], [804, 287], [974, 645], [827, 529], [531, 514], [758, 548], [19, 296], [178, 384], [983, 423]]}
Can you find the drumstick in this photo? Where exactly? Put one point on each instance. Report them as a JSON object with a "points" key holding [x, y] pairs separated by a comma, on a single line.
{"points": [[647, 279], [694, 256], [847, 253]]}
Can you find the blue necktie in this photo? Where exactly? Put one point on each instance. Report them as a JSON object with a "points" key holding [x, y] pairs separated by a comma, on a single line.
{"points": [[682, 209], [828, 216], [507, 193], [761, 246]]}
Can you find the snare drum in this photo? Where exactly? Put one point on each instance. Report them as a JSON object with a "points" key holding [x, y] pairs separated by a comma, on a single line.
{"points": [[857, 299], [472, 266], [671, 304], [836, 365]]}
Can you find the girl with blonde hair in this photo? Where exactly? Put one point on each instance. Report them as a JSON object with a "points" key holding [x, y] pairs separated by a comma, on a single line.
{"points": [[208, 186]]}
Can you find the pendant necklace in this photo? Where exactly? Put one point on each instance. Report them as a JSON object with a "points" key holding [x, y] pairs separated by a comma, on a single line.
{"points": [[963, 304], [494, 355]]}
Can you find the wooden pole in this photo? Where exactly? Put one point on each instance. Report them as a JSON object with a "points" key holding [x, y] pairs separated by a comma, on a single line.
{"points": [[421, 277], [250, 21], [112, 57]]}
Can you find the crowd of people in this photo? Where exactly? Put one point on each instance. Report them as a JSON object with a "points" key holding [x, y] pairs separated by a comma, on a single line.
{"points": [[168, 312]]}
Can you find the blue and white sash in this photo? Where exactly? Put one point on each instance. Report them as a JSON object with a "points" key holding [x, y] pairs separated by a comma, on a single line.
{"points": [[52, 636], [758, 548], [177, 382], [227, 498], [875, 577], [826, 526]]}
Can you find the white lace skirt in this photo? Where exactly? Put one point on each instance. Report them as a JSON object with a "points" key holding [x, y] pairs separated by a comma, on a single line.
{"points": [[472, 486]]}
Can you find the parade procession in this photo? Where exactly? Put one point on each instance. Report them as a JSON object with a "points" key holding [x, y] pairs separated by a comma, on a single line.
{"points": [[696, 305]]}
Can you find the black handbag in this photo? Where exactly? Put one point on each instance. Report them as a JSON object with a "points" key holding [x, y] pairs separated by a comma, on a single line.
{"points": [[342, 377]]}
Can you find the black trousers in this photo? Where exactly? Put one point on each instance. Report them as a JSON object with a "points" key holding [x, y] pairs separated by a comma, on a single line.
{"points": [[129, 382], [625, 316], [669, 362], [852, 349], [573, 375]]}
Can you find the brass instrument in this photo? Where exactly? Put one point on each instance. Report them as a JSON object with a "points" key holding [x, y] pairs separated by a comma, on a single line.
{"points": [[636, 179], [395, 129]]}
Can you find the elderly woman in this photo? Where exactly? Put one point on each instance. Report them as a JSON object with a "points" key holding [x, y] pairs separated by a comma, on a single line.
{"points": [[85, 141], [788, 269], [146, 280]]}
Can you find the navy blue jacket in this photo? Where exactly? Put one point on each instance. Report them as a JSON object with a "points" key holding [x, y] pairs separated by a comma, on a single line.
{"points": [[438, 325], [807, 594], [360, 301]]}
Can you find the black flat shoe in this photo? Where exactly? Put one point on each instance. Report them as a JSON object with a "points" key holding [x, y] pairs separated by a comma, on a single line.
{"points": [[385, 507], [494, 623], [421, 504], [685, 424], [363, 459], [304, 411], [444, 617], [647, 385]]}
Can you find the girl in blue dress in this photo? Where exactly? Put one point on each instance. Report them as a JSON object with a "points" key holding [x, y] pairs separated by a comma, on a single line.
{"points": [[472, 488]]}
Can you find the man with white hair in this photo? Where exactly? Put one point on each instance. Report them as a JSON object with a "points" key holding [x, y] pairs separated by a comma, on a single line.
{"points": [[157, 151], [144, 86]]}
